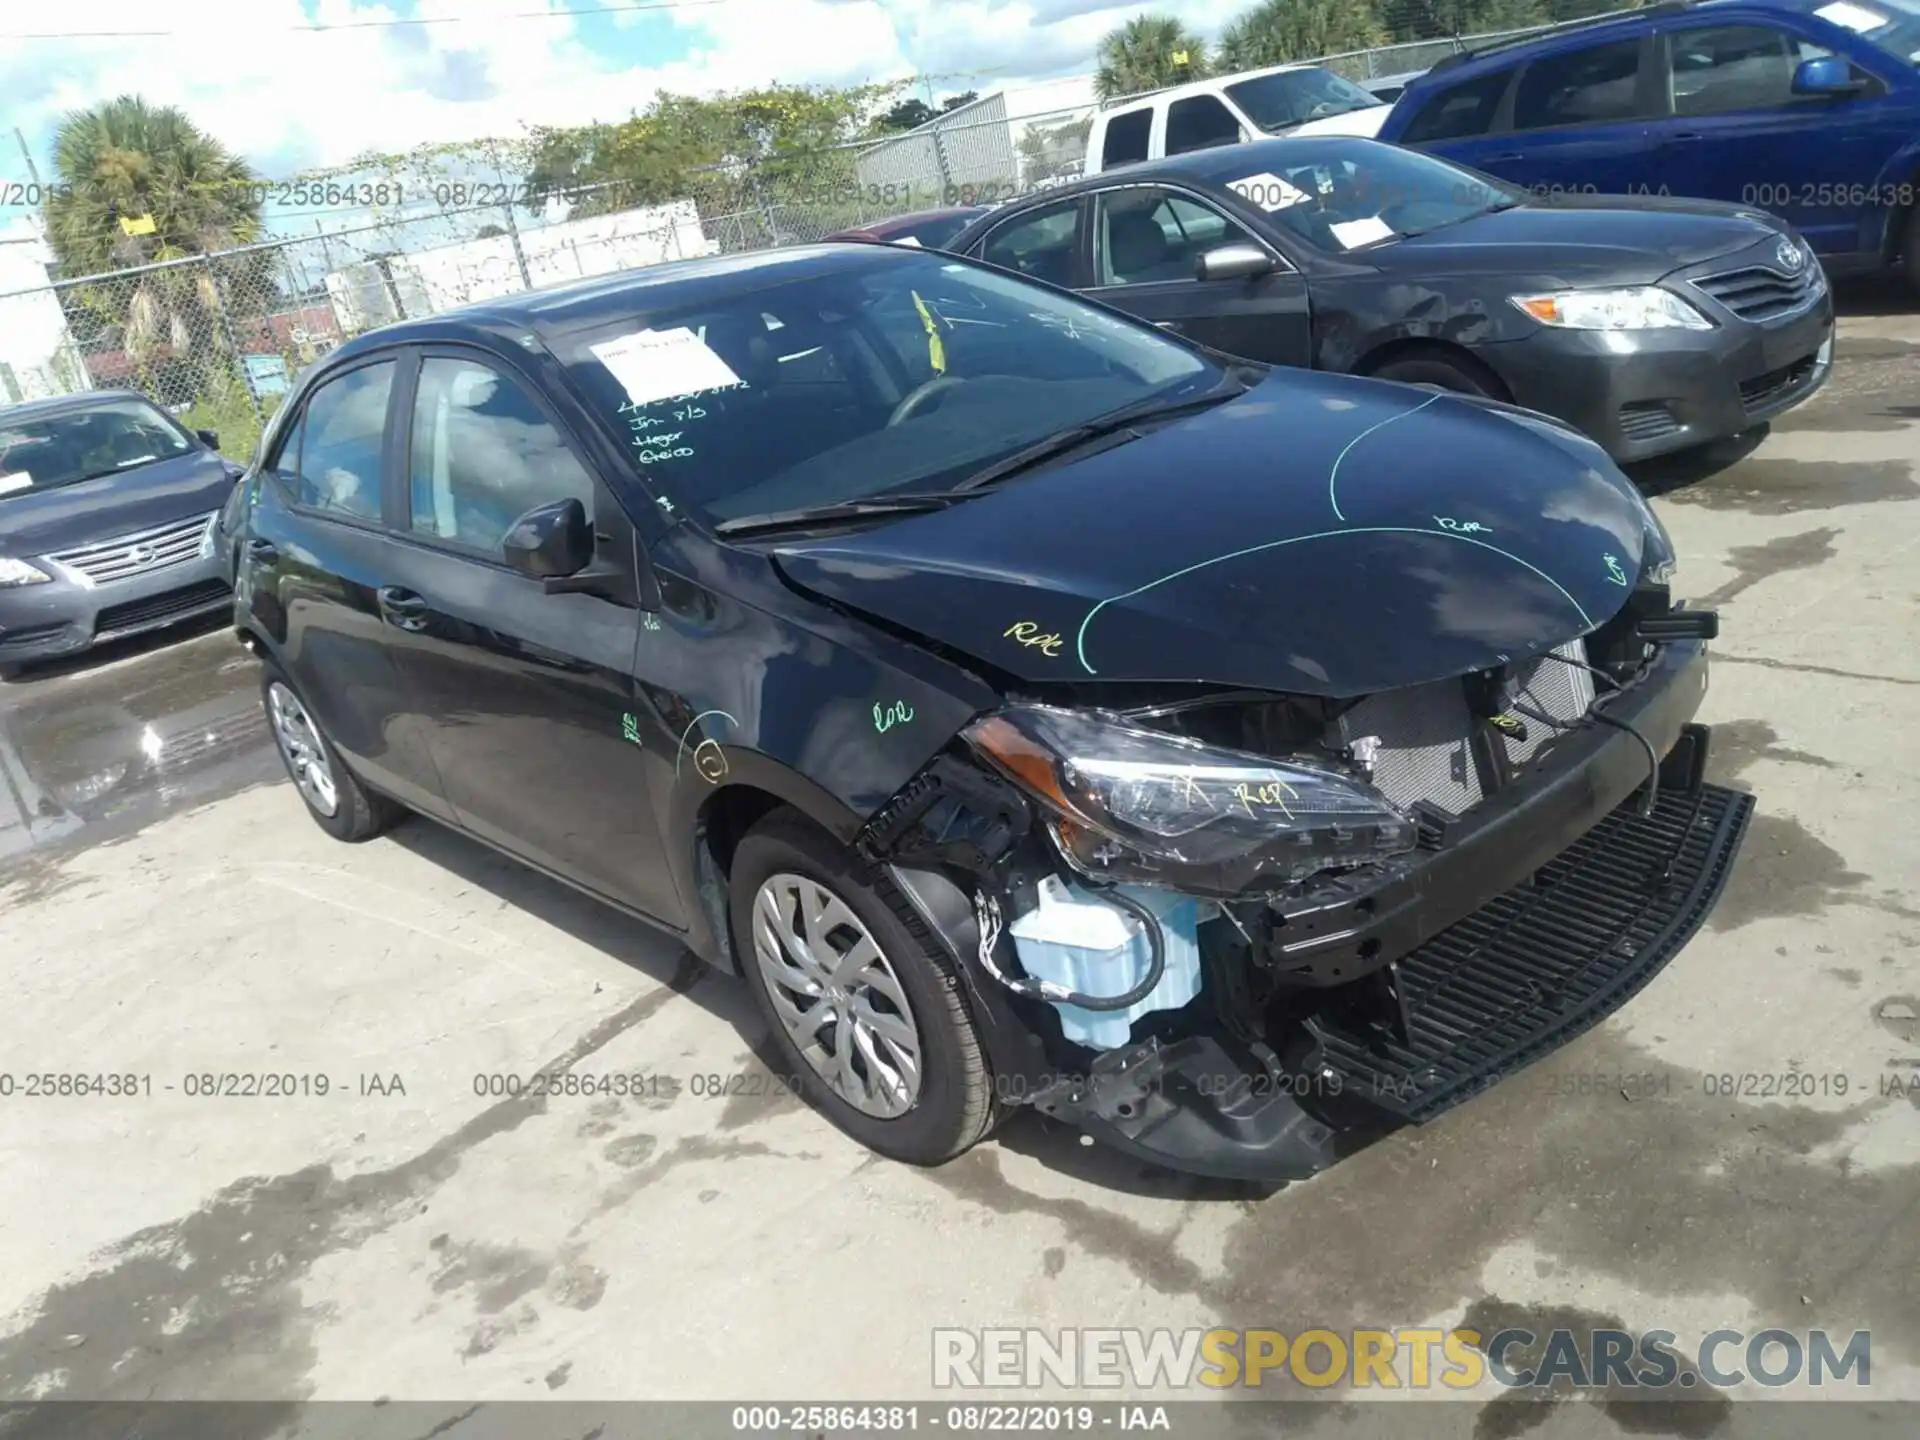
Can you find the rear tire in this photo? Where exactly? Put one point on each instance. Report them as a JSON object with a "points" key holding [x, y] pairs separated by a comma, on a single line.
{"points": [[891, 1052], [1440, 372], [1910, 250], [337, 801]]}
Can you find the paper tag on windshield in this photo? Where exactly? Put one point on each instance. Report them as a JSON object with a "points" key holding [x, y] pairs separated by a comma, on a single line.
{"points": [[1853, 17], [19, 480], [655, 364], [1354, 233], [1268, 191]]}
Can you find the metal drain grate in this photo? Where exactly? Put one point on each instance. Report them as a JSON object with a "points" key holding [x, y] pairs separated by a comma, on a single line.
{"points": [[1549, 958]]}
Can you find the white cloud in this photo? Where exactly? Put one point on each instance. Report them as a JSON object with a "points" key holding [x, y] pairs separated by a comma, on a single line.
{"points": [[287, 98]]}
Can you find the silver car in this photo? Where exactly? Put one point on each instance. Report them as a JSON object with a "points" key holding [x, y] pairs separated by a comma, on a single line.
{"points": [[107, 511]]}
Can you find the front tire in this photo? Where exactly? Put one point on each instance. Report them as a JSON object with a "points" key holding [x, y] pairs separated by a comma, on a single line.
{"points": [[1439, 373], [1910, 250], [338, 803], [872, 1021]]}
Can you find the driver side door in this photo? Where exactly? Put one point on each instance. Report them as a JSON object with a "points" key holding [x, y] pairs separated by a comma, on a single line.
{"points": [[1147, 244]]}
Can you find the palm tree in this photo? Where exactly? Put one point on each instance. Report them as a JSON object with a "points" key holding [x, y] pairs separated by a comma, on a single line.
{"points": [[1276, 31], [126, 160], [1149, 52]]}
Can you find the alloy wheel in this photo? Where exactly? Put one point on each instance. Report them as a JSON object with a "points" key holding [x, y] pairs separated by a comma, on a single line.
{"points": [[300, 747], [837, 993]]}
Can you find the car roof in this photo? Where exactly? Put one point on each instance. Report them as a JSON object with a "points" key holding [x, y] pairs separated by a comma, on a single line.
{"points": [[67, 404], [634, 294], [1200, 87], [1469, 64]]}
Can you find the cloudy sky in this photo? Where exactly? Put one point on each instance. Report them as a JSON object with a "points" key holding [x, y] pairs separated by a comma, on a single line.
{"points": [[289, 98]]}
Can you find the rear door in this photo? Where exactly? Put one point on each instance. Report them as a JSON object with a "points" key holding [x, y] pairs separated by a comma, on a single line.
{"points": [[319, 550], [1147, 242], [534, 721], [1575, 122]]}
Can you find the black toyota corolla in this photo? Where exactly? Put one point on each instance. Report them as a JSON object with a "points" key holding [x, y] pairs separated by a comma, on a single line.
{"points": [[1034, 708], [1652, 324]]}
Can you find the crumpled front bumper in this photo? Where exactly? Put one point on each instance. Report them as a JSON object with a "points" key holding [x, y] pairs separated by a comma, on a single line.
{"points": [[1559, 903]]}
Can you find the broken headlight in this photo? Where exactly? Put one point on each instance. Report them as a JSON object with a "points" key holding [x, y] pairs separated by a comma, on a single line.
{"points": [[1132, 804]]}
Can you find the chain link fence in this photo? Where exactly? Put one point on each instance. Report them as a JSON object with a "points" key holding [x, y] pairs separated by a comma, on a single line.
{"points": [[220, 339]]}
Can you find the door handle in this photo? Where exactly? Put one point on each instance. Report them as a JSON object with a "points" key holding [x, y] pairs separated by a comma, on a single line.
{"points": [[1686, 137], [265, 551], [1505, 155], [402, 609]]}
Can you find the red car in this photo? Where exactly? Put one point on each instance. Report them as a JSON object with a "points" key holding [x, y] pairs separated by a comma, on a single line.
{"points": [[931, 229]]}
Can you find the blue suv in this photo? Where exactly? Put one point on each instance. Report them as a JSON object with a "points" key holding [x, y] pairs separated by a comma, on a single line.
{"points": [[1809, 109]]}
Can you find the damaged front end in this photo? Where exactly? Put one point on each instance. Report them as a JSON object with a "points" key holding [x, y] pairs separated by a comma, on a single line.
{"points": [[1240, 933]]}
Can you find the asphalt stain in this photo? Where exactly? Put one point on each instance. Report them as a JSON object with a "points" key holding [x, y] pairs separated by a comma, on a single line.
{"points": [[1847, 420], [1789, 487], [656, 1165], [557, 1376], [759, 1088], [1784, 869], [1554, 1329], [1053, 1260], [603, 1118], [208, 1307], [631, 1150], [498, 1275], [1846, 975], [1899, 1016], [1754, 563], [1740, 744]]}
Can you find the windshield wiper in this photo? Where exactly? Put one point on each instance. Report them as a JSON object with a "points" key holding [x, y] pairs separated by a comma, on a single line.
{"points": [[808, 516], [1051, 447]]}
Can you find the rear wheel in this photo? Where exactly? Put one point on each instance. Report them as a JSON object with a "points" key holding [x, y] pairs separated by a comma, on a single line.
{"points": [[338, 802], [871, 1019], [1440, 372]]}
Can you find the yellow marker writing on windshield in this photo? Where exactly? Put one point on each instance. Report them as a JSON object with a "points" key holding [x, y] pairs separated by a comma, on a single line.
{"points": [[936, 347]]}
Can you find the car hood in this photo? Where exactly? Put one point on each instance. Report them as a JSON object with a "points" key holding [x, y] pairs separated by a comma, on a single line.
{"points": [[1365, 123], [1590, 239], [69, 516], [1321, 534]]}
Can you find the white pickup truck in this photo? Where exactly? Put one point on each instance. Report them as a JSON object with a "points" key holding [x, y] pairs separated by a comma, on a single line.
{"points": [[1229, 109]]}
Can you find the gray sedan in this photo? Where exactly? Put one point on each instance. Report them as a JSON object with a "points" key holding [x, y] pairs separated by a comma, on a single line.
{"points": [[107, 511]]}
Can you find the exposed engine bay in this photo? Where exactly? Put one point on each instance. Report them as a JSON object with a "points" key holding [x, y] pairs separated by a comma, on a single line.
{"points": [[1238, 932]]}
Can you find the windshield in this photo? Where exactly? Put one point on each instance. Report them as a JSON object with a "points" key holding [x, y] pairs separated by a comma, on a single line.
{"points": [[1891, 24], [1277, 102], [899, 372], [47, 451], [1361, 192]]}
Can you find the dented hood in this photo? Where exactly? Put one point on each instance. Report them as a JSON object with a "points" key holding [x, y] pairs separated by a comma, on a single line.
{"points": [[1320, 535]]}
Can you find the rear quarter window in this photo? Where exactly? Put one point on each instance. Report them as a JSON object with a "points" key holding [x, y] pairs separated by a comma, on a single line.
{"points": [[1127, 136], [1458, 113]]}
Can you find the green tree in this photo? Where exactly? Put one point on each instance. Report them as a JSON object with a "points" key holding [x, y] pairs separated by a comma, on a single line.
{"points": [[1433, 19], [1276, 31], [908, 114], [182, 193], [954, 102], [1149, 52], [1051, 151]]}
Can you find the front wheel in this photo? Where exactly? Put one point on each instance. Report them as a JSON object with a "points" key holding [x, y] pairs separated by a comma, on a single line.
{"points": [[871, 1019], [1438, 373], [1910, 250]]}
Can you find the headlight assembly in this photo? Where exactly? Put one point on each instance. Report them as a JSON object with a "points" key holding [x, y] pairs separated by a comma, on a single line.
{"points": [[1640, 307], [19, 572], [1137, 805]]}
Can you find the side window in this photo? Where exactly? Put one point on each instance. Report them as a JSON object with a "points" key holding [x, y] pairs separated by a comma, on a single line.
{"points": [[1199, 123], [1581, 87], [1040, 244], [1127, 137], [1149, 236], [335, 449], [1735, 67], [482, 455], [1457, 114]]}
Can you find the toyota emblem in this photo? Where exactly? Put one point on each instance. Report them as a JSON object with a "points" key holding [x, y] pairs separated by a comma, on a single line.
{"points": [[142, 555], [1790, 255]]}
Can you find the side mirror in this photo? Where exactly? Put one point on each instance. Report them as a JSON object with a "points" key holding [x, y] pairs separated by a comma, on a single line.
{"points": [[208, 438], [1828, 75], [550, 541], [1233, 262]]}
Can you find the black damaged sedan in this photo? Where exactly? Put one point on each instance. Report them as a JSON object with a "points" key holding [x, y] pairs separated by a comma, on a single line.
{"points": [[1033, 708], [1652, 324]]}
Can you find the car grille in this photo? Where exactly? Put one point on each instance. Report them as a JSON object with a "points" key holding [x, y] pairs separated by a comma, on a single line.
{"points": [[1759, 292], [1646, 420], [141, 553], [1548, 959], [1776, 385], [1425, 732], [157, 609]]}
